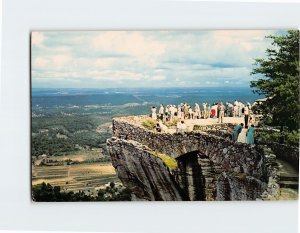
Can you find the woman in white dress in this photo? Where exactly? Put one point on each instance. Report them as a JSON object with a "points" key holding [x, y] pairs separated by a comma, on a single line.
{"points": [[235, 111], [242, 135], [172, 113], [179, 112], [197, 111], [191, 113], [161, 112], [154, 115]]}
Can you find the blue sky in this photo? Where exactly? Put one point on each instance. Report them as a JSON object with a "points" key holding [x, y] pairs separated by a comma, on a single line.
{"points": [[103, 59]]}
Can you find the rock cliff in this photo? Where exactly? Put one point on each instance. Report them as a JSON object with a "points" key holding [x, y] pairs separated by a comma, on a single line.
{"points": [[142, 172]]}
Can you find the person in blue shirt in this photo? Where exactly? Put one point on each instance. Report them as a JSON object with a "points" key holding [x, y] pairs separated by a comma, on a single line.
{"points": [[250, 135], [235, 133]]}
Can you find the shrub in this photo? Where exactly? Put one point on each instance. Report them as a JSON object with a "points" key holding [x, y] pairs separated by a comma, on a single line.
{"points": [[171, 123], [149, 124], [47, 193], [290, 138], [169, 161]]}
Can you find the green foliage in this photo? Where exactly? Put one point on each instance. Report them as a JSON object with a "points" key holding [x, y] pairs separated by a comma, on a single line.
{"points": [[48, 143], [169, 161], [240, 175], [149, 124], [291, 138], [113, 194], [112, 185], [279, 80], [58, 135], [171, 124], [90, 138], [47, 193], [70, 124]]}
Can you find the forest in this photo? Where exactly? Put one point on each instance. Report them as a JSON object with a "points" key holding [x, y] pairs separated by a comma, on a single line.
{"points": [[63, 129]]}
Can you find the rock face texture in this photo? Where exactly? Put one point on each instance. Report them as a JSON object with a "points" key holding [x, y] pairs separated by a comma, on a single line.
{"points": [[142, 172], [287, 153], [209, 167]]}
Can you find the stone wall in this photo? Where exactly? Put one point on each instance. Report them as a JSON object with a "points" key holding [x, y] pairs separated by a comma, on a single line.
{"points": [[239, 187], [287, 153], [231, 156], [209, 167], [215, 127], [272, 191], [213, 183], [221, 130]]}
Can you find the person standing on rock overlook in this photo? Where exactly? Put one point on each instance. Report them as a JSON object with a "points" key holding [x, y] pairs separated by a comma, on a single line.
{"points": [[250, 135], [197, 114], [236, 131], [153, 114], [179, 111], [204, 110], [172, 112], [161, 111], [214, 110], [242, 137], [181, 127], [221, 113], [235, 111], [246, 114], [208, 111]]}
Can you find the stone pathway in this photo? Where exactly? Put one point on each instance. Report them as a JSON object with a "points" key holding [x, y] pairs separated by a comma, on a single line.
{"points": [[212, 121], [288, 181]]}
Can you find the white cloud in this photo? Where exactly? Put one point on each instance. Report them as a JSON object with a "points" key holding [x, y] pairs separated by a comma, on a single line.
{"points": [[145, 58], [129, 43], [105, 62], [37, 38], [61, 60], [158, 77], [58, 62], [40, 62]]}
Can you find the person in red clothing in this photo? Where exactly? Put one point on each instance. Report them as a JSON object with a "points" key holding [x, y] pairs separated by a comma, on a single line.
{"points": [[213, 112]]}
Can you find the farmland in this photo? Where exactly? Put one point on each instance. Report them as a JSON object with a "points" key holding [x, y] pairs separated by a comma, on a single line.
{"points": [[75, 177]]}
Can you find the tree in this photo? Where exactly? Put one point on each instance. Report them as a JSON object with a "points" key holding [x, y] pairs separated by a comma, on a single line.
{"points": [[279, 80], [112, 185]]}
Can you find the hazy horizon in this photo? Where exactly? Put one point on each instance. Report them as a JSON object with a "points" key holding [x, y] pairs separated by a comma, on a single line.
{"points": [[171, 87]]}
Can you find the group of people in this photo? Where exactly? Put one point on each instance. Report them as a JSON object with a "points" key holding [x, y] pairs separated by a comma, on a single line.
{"points": [[243, 134], [216, 110], [182, 111]]}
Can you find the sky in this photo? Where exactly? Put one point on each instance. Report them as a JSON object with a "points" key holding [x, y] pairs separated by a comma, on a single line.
{"points": [[117, 59]]}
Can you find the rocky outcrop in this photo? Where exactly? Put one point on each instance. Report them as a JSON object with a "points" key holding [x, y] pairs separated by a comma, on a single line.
{"points": [[239, 187], [210, 167], [142, 172]]}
